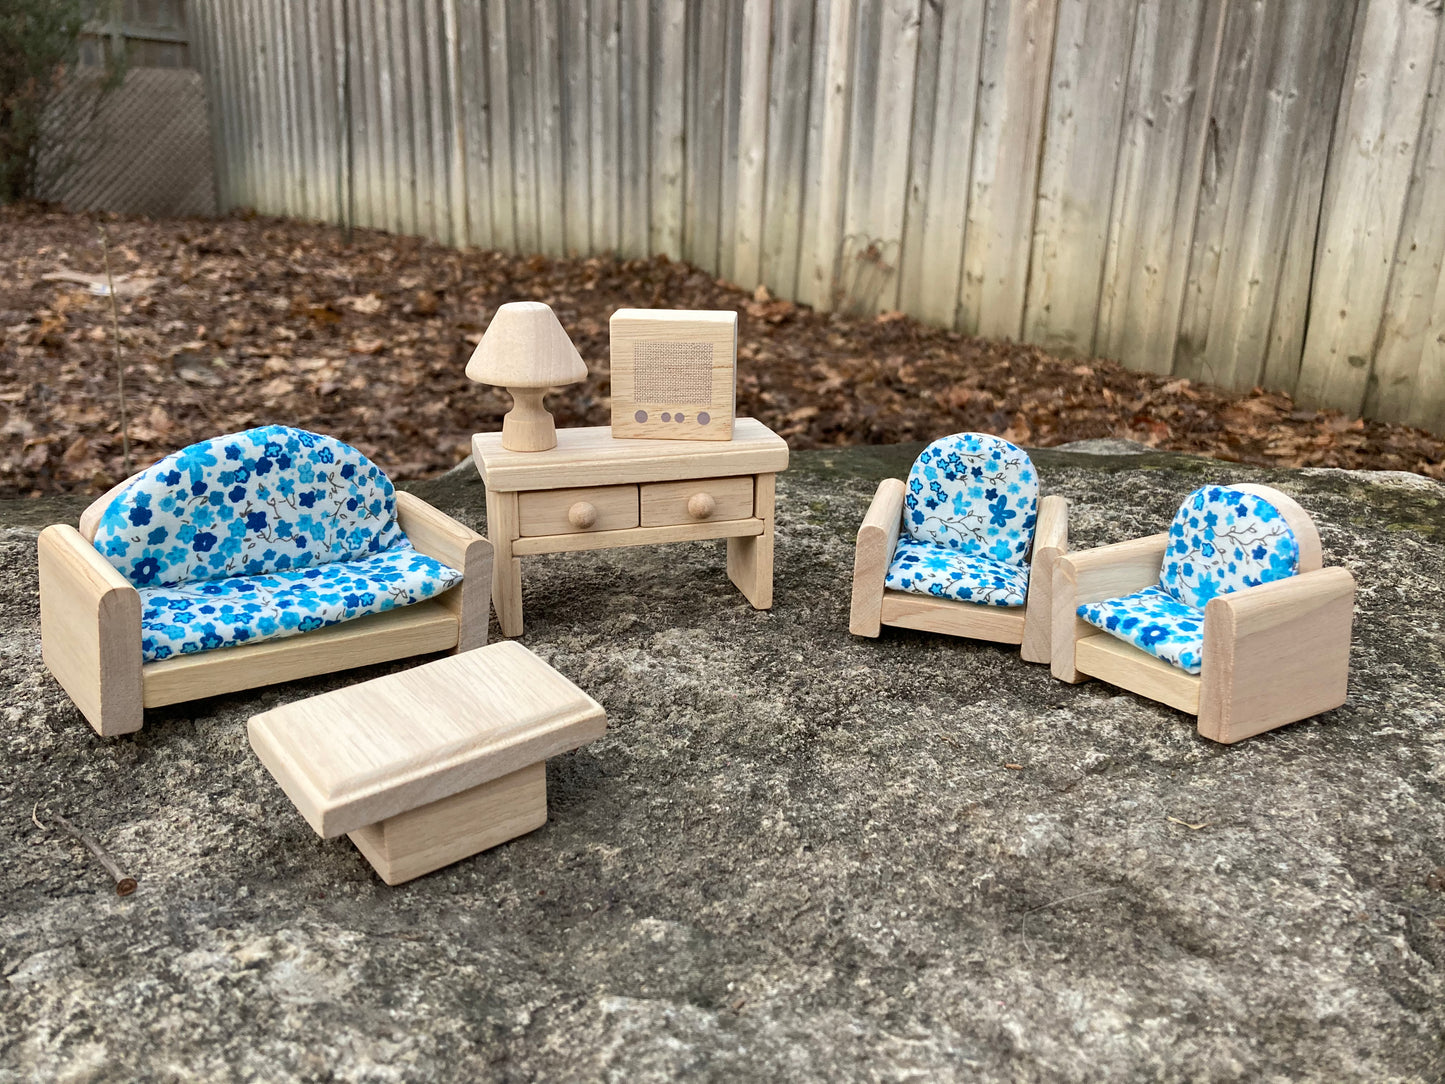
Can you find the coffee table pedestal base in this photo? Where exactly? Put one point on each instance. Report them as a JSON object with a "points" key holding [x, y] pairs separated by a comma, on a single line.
{"points": [[446, 831]]}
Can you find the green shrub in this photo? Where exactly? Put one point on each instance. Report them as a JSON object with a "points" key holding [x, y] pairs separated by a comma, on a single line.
{"points": [[39, 41]]}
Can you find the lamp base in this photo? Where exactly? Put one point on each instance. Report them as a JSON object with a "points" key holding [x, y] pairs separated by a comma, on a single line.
{"points": [[528, 427]]}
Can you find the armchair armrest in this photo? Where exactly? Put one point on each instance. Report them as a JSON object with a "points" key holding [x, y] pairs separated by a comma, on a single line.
{"points": [[437, 535], [877, 538], [90, 631], [1275, 653], [1051, 540], [1091, 576]]}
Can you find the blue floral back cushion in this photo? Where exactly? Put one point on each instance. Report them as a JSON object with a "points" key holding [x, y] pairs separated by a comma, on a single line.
{"points": [[1155, 621], [207, 614], [1222, 540], [922, 568], [974, 493], [267, 500]]}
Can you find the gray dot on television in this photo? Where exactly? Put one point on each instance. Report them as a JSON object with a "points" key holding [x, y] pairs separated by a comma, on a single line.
{"points": [[679, 417], [666, 416], [704, 418], [640, 416]]}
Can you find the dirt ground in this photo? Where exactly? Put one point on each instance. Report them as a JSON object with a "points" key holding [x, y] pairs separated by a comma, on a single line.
{"points": [[242, 321]]}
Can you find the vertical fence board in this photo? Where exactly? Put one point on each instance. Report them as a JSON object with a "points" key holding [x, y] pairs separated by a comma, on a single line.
{"points": [[828, 161], [727, 218], [706, 79], [1092, 44], [787, 127], [912, 271], [576, 122], [499, 75], [752, 143], [635, 118], [551, 228], [1409, 373], [669, 22], [1376, 137], [474, 102], [1013, 91], [1156, 186]]}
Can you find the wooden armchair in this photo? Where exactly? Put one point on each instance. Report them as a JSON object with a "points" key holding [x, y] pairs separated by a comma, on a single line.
{"points": [[94, 619], [1270, 643], [939, 554]]}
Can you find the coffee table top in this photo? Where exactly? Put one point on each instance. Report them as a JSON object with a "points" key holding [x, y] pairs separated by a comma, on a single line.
{"points": [[592, 456], [358, 755]]}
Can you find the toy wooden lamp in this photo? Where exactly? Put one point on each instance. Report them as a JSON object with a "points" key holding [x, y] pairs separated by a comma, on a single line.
{"points": [[526, 351]]}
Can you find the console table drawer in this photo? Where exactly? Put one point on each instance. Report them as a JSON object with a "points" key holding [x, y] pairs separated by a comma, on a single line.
{"points": [[577, 511], [698, 501]]}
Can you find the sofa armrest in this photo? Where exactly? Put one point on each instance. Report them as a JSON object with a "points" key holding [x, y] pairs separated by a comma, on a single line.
{"points": [[90, 633], [1051, 540], [877, 539], [456, 545], [1275, 653], [1091, 576]]}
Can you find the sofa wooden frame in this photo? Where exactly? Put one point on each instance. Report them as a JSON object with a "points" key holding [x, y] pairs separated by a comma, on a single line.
{"points": [[90, 625], [1272, 655], [874, 606]]}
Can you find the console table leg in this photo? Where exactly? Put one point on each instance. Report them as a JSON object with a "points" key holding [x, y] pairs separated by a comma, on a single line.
{"points": [[503, 528], [750, 560]]}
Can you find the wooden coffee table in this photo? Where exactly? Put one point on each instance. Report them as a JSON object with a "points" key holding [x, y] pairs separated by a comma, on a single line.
{"points": [[431, 765], [596, 491]]}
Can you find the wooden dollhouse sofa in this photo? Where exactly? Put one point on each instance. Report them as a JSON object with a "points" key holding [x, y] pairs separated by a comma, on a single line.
{"points": [[254, 558], [965, 547], [1228, 616]]}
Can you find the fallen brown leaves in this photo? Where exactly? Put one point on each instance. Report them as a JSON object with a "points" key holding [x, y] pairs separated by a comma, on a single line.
{"points": [[253, 320]]}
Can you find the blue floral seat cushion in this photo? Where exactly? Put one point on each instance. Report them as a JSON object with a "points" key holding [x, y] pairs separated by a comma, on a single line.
{"points": [[207, 614], [1154, 621], [1222, 540], [270, 499], [923, 568], [974, 493]]}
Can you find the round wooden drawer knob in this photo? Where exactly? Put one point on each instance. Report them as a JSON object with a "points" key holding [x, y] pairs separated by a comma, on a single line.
{"points": [[582, 515], [701, 505]]}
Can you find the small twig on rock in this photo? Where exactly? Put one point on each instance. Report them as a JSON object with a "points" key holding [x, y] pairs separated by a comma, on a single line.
{"points": [[124, 885], [1024, 922]]}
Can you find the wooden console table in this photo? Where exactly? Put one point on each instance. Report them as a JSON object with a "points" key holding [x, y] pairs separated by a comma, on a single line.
{"points": [[593, 491]]}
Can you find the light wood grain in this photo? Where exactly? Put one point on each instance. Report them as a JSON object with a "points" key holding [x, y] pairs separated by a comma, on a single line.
{"points": [[668, 131], [418, 629], [818, 273], [787, 122], [1051, 541], [1276, 653], [359, 755], [713, 334], [591, 456], [457, 546], [872, 553], [750, 556], [638, 536], [752, 145], [425, 839], [90, 631], [504, 527], [1110, 659], [1003, 625], [1092, 576], [666, 503], [561, 511]]}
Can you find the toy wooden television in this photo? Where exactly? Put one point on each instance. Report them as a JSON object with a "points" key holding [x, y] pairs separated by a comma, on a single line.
{"points": [[674, 373]]}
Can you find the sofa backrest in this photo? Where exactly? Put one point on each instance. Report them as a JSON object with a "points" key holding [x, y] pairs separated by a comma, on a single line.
{"points": [[266, 500], [1224, 538], [974, 493]]}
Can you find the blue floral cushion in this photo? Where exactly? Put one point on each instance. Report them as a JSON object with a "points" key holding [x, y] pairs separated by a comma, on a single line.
{"points": [[923, 568], [974, 493], [206, 614], [1222, 540], [267, 500], [1154, 620]]}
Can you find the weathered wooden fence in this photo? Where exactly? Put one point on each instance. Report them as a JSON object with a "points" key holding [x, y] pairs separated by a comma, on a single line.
{"points": [[1236, 191]]}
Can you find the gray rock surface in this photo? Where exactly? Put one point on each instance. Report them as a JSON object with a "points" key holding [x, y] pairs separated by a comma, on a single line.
{"points": [[796, 855]]}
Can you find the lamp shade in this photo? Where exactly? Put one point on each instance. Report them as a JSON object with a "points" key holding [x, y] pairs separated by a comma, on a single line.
{"points": [[525, 347]]}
